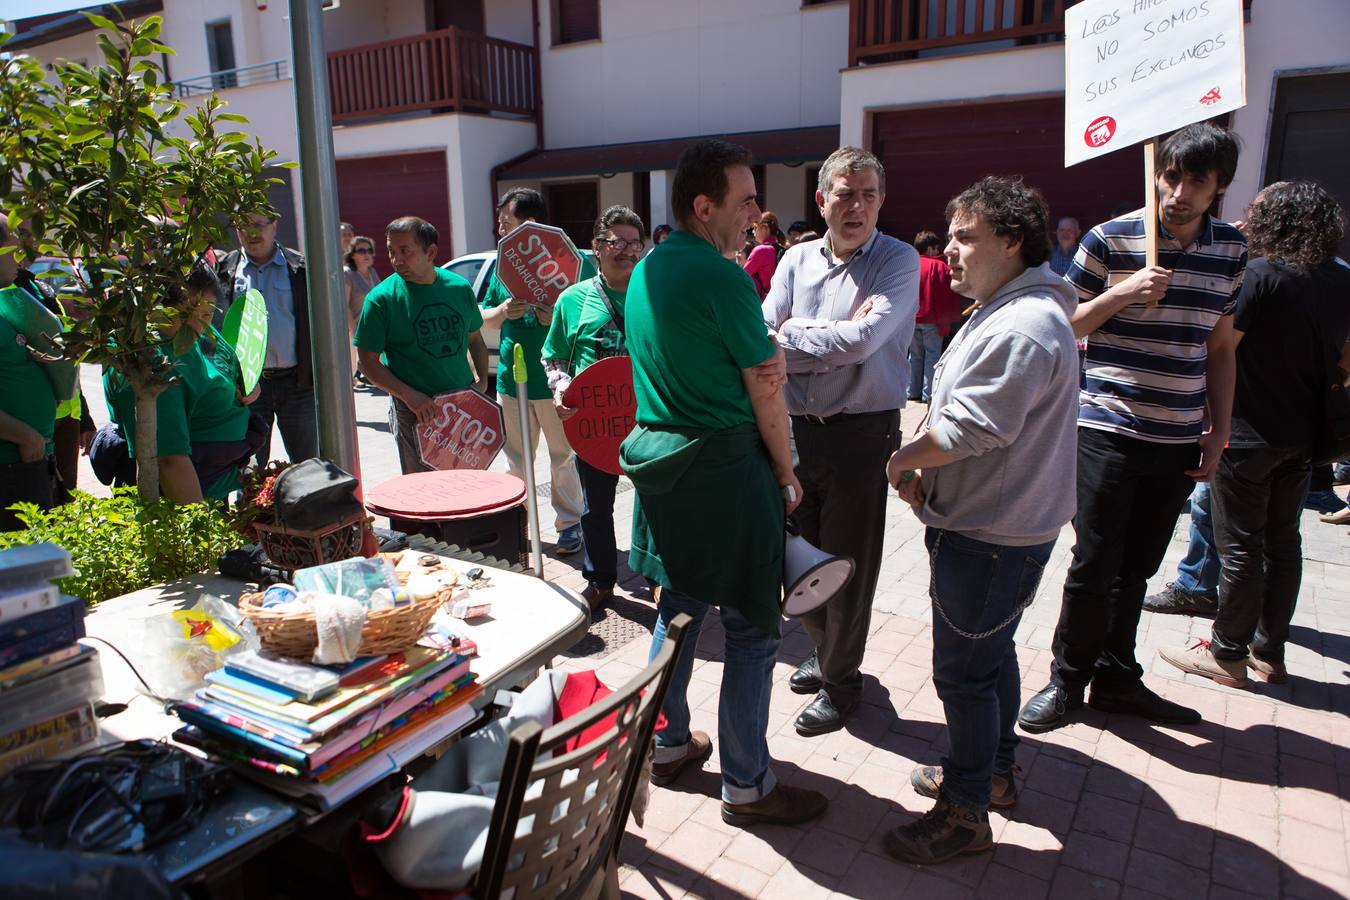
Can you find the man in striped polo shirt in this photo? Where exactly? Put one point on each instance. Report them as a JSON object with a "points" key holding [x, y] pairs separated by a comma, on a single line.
{"points": [[1160, 367]]}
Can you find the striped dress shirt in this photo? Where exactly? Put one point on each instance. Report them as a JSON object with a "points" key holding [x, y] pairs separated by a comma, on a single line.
{"points": [[836, 365], [1144, 375]]}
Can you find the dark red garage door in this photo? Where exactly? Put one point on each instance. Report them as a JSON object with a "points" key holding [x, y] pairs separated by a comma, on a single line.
{"points": [[933, 154], [375, 190]]}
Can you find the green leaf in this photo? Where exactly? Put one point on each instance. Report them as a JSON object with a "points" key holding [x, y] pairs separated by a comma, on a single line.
{"points": [[100, 21]]}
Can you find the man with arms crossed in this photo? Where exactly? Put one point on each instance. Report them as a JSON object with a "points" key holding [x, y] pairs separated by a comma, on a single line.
{"points": [[987, 478], [1160, 362], [413, 334], [709, 459], [843, 309]]}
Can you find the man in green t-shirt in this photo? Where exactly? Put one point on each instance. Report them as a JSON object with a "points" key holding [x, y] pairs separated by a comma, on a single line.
{"points": [[417, 332], [713, 473], [588, 327], [27, 410], [528, 326]]}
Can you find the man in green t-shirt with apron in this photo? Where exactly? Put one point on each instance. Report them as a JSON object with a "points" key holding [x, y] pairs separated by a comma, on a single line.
{"points": [[528, 326], [417, 331], [588, 327], [713, 471]]}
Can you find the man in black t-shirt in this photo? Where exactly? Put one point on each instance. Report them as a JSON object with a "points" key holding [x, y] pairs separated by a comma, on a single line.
{"points": [[1292, 320]]}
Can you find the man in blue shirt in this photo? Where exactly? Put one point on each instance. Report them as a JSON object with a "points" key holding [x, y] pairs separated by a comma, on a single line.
{"points": [[1067, 233], [287, 384]]}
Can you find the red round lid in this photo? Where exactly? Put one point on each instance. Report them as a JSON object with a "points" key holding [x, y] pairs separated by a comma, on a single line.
{"points": [[454, 492]]}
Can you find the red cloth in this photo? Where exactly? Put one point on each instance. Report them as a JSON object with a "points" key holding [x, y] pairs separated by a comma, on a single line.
{"points": [[938, 303], [580, 691]]}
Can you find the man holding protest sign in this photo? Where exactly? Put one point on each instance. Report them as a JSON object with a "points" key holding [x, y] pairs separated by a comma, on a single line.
{"points": [[587, 327], [1160, 363], [417, 332], [843, 310], [528, 325]]}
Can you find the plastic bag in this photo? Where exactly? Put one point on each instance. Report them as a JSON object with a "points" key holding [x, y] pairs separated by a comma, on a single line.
{"points": [[179, 647]]}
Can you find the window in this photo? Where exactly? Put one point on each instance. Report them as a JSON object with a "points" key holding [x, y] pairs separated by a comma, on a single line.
{"points": [[575, 21], [220, 52]]}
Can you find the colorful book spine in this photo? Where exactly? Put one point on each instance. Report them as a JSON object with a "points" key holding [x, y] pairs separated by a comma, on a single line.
{"points": [[49, 738], [238, 732], [36, 644], [21, 671], [422, 717]]}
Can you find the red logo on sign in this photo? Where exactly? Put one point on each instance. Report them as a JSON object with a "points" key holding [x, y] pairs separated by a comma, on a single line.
{"points": [[466, 433], [1212, 97], [602, 395], [1100, 131], [536, 263]]}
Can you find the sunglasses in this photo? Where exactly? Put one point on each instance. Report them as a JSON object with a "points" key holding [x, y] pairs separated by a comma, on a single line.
{"points": [[366, 250]]}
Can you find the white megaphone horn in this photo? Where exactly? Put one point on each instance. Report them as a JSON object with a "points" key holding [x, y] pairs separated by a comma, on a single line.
{"points": [[810, 575]]}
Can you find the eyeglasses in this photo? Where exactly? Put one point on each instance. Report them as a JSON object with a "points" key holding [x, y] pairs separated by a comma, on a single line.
{"points": [[618, 245], [367, 250]]}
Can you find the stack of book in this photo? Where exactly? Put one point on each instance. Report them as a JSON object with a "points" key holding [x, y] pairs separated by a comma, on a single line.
{"points": [[48, 681], [328, 732]]}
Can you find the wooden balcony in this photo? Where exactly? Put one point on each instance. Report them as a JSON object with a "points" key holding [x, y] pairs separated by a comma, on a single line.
{"points": [[888, 30], [445, 71]]}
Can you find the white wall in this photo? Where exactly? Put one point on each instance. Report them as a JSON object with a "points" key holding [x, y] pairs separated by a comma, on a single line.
{"points": [[785, 192], [616, 191], [1288, 37], [673, 69]]}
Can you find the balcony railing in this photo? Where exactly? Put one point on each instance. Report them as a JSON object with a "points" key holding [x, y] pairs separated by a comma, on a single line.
{"points": [[260, 73], [885, 30], [448, 70]]}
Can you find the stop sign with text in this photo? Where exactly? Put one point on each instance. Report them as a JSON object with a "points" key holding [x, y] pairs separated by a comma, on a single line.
{"points": [[602, 395], [536, 263], [465, 434]]}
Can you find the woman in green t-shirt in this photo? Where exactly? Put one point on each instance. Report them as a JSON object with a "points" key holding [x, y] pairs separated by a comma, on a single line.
{"points": [[202, 419], [587, 326]]}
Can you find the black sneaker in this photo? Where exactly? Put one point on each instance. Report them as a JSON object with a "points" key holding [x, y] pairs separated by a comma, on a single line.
{"points": [[945, 831], [1175, 601], [927, 782]]}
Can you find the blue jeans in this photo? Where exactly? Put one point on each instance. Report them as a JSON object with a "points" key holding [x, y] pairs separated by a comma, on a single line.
{"points": [[283, 399], [600, 559], [979, 591], [924, 350], [1198, 571], [743, 707]]}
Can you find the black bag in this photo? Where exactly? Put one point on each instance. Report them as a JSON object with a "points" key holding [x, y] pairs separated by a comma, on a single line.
{"points": [[315, 494]]}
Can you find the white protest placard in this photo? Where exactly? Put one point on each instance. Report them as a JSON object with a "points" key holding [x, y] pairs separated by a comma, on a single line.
{"points": [[1134, 69]]}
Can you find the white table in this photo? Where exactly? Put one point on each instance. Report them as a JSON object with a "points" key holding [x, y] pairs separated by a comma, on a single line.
{"points": [[531, 622]]}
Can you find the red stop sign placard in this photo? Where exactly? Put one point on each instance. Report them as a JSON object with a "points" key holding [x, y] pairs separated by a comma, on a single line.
{"points": [[466, 433], [536, 263], [602, 394]]}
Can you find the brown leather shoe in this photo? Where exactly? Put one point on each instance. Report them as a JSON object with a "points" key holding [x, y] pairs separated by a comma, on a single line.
{"points": [[597, 597], [696, 752], [784, 805]]}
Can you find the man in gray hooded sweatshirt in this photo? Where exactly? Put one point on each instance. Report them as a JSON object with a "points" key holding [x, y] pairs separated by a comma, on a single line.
{"points": [[992, 479]]}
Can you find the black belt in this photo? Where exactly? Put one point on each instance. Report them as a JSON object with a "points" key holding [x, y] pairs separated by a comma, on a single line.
{"points": [[279, 373], [840, 417]]}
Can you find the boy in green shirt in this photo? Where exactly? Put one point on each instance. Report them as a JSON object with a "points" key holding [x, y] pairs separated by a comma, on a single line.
{"points": [[588, 327], [527, 326], [417, 331]]}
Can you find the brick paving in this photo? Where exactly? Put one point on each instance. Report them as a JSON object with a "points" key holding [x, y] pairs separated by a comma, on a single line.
{"points": [[1250, 803]]}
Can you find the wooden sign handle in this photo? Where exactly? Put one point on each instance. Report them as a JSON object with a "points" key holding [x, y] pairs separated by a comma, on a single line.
{"points": [[1150, 203]]}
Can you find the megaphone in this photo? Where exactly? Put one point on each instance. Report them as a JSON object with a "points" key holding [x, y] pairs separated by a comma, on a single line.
{"points": [[810, 575]]}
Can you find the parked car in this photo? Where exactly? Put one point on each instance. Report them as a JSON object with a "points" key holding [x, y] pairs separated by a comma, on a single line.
{"points": [[477, 269]]}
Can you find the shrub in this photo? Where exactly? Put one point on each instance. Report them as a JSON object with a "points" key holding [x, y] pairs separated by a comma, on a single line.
{"points": [[121, 544]]}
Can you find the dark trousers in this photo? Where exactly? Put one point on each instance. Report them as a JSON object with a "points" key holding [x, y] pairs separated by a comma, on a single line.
{"points": [[403, 423], [842, 469], [282, 399], [600, 559], [25, 482], [1258, 500], [979, 592], [1130, 493]]}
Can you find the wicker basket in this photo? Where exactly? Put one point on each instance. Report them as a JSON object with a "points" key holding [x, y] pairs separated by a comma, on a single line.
{"points": [[293, 548], [292, 633]]}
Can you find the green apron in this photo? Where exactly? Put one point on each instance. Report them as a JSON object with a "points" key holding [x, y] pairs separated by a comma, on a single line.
{"points": [[708, 521]]}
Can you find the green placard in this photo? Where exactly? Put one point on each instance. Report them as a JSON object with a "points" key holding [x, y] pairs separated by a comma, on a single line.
{"points": [[245, 327]]}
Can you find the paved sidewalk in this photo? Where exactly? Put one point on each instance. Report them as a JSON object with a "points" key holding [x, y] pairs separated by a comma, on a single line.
{"points": [[1251, 803]]}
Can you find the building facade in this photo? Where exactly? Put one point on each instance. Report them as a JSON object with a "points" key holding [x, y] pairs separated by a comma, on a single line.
{"points": [[438, 105]]}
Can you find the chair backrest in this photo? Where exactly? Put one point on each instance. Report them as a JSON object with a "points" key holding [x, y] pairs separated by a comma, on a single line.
{"points": [[559, 818]]}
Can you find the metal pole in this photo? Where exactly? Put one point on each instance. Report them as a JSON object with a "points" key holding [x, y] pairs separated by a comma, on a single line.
{"points": [[531, 499], [328, 334]]}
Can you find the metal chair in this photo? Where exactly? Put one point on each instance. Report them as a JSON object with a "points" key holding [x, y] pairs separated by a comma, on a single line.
{"points": [[560, 814]]}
